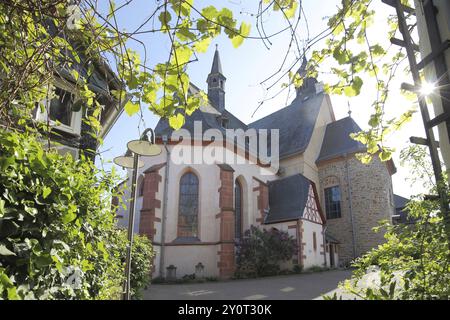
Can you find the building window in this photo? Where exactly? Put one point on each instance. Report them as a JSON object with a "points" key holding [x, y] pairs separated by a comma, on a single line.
{"points": [[61, 107], [59, 111], [333, 202], [224, 123], [188, 206], [238, 210], [314, 241]]}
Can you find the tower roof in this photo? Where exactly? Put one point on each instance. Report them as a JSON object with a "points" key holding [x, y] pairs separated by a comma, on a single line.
{"points": [[337, 141], [216, 65]]}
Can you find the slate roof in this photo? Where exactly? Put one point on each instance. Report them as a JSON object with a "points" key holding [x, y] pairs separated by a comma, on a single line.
{"points": [[287, 198], [337, 141], [295, 123], [401, 213], [207, 114], [400, 202], [216, 66]]}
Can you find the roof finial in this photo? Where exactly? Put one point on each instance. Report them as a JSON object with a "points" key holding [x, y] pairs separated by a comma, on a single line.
{"points": [[349, 109], [217, 47]]}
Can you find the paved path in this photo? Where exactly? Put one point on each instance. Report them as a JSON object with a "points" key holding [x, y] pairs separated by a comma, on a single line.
{"points": [[293, 287]]}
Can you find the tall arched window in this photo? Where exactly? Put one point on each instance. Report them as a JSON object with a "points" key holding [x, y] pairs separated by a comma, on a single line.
{"points": [[238, 210], [188, 206]]}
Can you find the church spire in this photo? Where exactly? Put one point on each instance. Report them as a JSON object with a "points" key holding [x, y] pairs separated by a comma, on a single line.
{"points": [[216, 66], [216, 83]]}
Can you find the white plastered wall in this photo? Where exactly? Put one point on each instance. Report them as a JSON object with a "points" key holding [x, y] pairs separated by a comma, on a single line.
{"points": [[305, 163], [185, 257], [443, 20], [313, 257]]}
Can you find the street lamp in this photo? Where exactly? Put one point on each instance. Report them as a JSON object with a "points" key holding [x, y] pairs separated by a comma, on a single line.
{"points": [[143, 147]]}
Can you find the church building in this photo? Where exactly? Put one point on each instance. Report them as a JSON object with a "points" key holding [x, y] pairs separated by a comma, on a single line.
{"points": [[195, 212]]}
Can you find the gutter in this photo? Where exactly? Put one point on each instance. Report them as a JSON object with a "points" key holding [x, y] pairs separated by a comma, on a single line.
{"points": [[164, 210]]}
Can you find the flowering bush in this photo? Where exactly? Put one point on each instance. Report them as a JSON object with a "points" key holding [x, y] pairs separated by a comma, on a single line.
{"points": [[261, 252]]}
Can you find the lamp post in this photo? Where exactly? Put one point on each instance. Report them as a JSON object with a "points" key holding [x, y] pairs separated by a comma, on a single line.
{"points": [[141, 147]]}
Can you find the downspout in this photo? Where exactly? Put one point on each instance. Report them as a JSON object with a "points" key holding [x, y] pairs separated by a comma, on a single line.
{"points": [[349, 189], [324, 230], [164, 210]]}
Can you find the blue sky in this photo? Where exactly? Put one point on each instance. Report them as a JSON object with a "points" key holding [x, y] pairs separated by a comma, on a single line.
{"points": [[246, 67]]}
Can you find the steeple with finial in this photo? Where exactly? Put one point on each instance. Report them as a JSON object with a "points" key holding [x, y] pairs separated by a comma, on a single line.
{"points": [[309, 83], [216, 83]]}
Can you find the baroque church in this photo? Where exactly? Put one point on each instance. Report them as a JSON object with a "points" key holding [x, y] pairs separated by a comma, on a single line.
{"points": [[325, 198]]}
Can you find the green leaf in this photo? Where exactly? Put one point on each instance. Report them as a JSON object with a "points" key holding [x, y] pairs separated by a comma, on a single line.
{"points": [[12, 294], [131, 108], [182, 7], [202, 45], [392, 289], [355, 88], [339, 55], [210, 12], [75, 74], [377, 50], [2, 207], [357, 84], [290, 11], [183, 54], [164, 18], [69, 216], [385, 155], [101, 248], [46, 191], [244, 31], [176, 121], [43, 260], [5, 251]]}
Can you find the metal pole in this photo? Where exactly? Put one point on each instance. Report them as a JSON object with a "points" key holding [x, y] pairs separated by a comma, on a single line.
{"points": [[164, 212], [127, 295]]}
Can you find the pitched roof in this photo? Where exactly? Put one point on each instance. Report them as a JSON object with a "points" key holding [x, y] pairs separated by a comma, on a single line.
{"points": [[287, 198], [400, 202], [216, 66], [295, 123], [206, 114], [337, 141]]}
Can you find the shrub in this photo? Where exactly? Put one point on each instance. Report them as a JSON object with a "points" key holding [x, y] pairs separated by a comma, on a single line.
{"points": [[261, 252], [57, 230], [413, 263], [141, 261]]}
